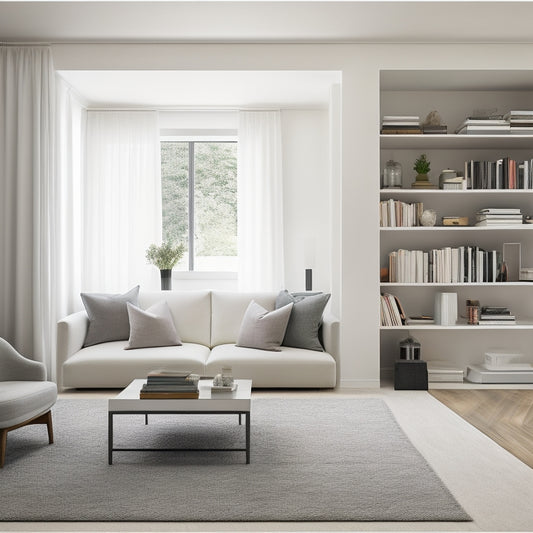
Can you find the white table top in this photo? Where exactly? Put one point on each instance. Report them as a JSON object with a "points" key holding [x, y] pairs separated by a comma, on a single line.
{"points": [[238, 400]]}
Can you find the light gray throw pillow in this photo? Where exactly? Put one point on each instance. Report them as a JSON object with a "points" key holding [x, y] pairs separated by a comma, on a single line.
{"points": [[108, 316], [151, 327], [263, 329], [305, 320]]}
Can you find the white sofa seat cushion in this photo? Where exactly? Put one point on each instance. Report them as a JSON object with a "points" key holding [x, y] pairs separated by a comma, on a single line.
{"points": [[109, 365], [290, 367], [22, 400]]}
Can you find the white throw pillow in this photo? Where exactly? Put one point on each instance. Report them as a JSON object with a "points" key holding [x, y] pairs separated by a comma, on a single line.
{"points": [[151, 327], [263, 329]]}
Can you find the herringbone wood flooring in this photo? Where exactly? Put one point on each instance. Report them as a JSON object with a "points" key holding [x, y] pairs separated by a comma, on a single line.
{"points": [[506, 416]]}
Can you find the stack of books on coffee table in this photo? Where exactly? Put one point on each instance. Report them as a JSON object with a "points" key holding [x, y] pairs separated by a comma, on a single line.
{"points": [[163, 384]]}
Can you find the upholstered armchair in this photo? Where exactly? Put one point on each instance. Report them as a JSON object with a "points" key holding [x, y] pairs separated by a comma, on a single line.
{"points": [[25, 395]]}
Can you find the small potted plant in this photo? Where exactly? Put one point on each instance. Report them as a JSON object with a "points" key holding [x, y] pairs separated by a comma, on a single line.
{"points": [[422, 166], [165, 258]]}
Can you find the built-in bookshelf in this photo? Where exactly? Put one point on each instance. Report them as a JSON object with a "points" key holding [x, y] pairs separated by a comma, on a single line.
{"points": [[414, 93]]}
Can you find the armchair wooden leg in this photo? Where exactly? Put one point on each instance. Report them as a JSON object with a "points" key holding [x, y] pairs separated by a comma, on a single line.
{"points": [[46, 418], [3, 445], [50, 427]]}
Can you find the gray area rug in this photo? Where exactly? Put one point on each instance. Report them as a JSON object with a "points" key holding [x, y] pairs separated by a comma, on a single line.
{"points": [[311, 460]]}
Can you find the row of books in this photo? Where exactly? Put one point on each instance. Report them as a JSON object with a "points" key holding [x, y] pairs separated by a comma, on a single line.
{"points": [[499, 217], [408, 124], [464, 264], [161, 384], [391, 311], [395, 213], [504, 173]]}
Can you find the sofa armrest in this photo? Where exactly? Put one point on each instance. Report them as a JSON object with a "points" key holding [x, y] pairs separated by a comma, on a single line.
{"points": [[331, 338], [71, 332]]}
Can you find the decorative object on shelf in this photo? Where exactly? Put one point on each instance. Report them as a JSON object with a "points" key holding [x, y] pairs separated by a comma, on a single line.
{"points": [[472, 311], [410, 375], [433, 124], [165, 257], [428, 218], [422, 166], [446, 308], [454, 221], [410, 349], [451, 180], [392, 175], [526, 274]]}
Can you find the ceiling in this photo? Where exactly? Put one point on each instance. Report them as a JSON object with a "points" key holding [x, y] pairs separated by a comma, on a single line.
{"points": [[238, 89], [266, 21]]}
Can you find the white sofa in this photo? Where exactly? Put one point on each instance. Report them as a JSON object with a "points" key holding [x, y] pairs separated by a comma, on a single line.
{"points": [[208, 323]]}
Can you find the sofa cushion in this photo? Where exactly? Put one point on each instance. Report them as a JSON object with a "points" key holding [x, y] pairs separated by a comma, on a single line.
{"points": [[191, 312], [305, 320], [110, 366], [290, 367], [108, 316], [22, 400], [151, 327], [228, 310], [263, 329]]}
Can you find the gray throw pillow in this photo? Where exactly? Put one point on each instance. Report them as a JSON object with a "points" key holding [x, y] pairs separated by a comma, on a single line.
{"points": [[108, 316], [151, 327], [263, 329], [305, 320]]}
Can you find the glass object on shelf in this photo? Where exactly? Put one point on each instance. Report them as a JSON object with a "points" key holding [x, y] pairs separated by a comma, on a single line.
{"points": [[392, 175], [428, 218], [410, 349]]}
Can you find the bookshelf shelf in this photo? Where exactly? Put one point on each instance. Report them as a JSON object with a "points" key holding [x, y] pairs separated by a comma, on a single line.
{"points": [[520, 325], [516, 227], [503, 285], [417, 92], [452, 141], [469, 192]]}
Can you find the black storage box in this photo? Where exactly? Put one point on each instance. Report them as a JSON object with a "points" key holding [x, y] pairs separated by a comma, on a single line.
{"points": [[410, 375]]}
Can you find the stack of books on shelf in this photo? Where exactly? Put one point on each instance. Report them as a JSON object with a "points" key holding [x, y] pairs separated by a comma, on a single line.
{"points": [[391, 311], [504, 173], [400, 125], [464, 264], [166, 384], [443, 372], [484, 126], [492, 216], [499, 367], [521, 122], [396, 214], [496, 315], [420, 320]]}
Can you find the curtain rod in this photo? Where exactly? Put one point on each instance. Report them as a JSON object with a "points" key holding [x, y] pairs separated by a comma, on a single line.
{"points": [[206, 109]]}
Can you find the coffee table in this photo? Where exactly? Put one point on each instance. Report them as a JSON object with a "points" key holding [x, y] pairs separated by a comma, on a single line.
{"points": [[128, 402]]}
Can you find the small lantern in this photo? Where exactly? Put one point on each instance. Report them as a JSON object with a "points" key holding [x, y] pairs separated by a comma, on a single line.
{"points": [[410, 349]]}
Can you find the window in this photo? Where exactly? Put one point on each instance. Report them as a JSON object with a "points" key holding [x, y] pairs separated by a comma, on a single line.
{"points": [[199, 193]]}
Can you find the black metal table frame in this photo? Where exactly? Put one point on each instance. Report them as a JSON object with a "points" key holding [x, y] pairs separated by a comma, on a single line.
{"points": [[112, 449]]}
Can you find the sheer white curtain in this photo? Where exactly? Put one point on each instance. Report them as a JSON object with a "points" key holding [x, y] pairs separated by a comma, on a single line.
{"points": [[260, 201], [121, 200], [28, 201], [71, 122]]}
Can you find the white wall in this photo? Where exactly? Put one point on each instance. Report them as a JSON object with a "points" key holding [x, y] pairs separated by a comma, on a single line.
{"points": [[355, 255], [306, 198]]}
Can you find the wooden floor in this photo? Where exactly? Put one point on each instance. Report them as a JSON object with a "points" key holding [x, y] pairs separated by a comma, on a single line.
{"points": [[506, 416]]}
